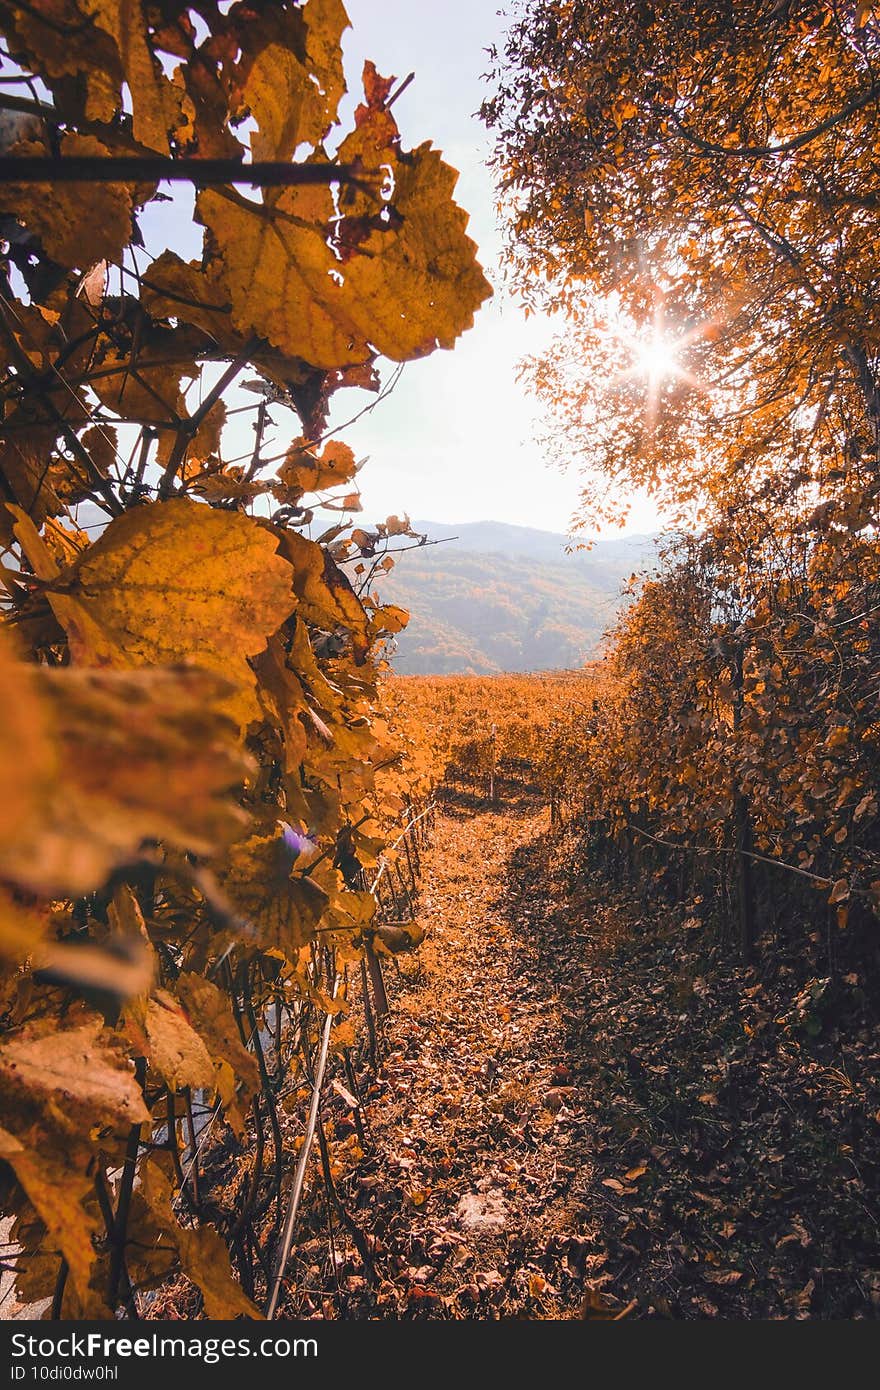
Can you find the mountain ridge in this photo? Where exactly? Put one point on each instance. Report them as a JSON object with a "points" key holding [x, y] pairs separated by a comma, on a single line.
{"points": [[496, 597]]}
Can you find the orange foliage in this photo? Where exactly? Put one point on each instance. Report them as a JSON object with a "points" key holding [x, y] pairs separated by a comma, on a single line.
{"points": [[196, 776]]}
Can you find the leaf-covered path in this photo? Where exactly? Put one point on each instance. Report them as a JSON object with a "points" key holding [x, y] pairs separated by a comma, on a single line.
{"points": [[578, 1114], [477, 1155], [478, 1115]]}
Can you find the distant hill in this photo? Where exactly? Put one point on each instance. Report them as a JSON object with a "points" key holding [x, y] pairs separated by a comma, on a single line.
{"points": [[506, 598]]}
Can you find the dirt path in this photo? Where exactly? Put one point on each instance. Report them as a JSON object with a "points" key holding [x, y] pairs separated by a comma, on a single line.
{"points": [[470, 1185]]}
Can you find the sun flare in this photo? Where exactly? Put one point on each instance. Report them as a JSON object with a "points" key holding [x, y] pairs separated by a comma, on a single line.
{"points": [[657, 358]]}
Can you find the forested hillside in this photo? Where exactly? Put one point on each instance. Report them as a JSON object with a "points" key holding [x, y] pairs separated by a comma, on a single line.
{"points": [[471, 610]]}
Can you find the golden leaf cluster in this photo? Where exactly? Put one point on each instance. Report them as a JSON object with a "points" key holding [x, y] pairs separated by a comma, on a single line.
{"points": [[194, 768]]}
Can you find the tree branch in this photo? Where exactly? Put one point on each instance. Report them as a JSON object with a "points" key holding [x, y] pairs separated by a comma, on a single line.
{"points": [[158, 168]]}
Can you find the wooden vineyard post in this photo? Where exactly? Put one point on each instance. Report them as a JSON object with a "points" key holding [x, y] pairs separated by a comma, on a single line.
{"points": [[374, 970], [492, 747], [368, 1015]]}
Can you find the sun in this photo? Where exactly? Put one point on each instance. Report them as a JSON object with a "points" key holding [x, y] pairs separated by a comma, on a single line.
{"points": [[657, 358], [653, 356]]}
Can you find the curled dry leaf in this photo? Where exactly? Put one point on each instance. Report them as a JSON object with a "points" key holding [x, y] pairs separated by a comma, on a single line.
{"points": [[390, 618], [325, 596], [294, 99], [160, 1030], [397, 939], [237, 1073], [178, 289], [58, 1190], [305, 470], [155, 100]]}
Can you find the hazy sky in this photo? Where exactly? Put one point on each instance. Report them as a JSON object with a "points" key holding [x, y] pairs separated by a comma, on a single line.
{"points": [[455, 441]]}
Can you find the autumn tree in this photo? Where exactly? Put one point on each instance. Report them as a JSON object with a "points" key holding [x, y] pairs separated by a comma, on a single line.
{"points": [[195, 777], [707, 173], [694, 189]]}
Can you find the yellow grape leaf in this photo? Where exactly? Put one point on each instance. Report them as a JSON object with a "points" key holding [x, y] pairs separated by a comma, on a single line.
{"points": [[202, 1253], [77, 223], [304, 470], [354, 909], [57, 1190], [64, 545], [79, 1076], [294, 95], [326, 599], [211, 1012], [416, 288], [23, 465], [282, 695], [147, 390], [101, 443], [267, 258], [174, 288], [40, 557], [155, 100], [283, 910], [137, 755], [148, 1258], [226, 486], [54, 40], [390, 618], [177, 581], [170, 1043], [409, 285], [302, 659]]}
